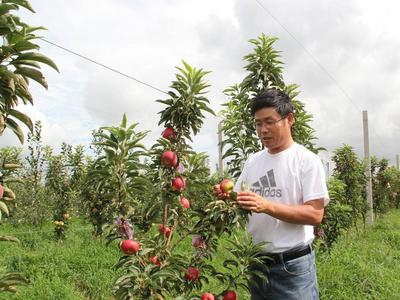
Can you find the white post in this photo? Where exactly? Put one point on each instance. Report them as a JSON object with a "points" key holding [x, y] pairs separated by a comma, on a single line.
{"points": [[370, 211]]}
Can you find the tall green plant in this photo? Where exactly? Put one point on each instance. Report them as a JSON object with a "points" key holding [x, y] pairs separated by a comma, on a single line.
{"points": [[114, 178], [34, 207], [59, 184], [179, 179], [337, 215], [351, 171], [265, 70], [385, 186]]}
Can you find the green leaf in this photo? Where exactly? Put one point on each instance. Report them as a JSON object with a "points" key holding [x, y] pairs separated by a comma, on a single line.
{"points": [[22, 117], [30, 29], [23, 3], [124, 121], [25, 45], [5, 8], [4, 208], [35, 56], [16, 129], [33, 74]]}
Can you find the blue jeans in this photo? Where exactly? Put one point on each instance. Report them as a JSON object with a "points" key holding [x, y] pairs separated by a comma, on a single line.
{"points": [[295, 279]]}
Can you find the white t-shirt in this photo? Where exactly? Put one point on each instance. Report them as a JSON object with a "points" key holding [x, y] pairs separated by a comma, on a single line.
{"points": [[293, 176]]}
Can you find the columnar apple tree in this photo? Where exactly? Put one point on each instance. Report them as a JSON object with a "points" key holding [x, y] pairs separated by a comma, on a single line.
{"points": [[114, 181], [264, 70], [155, 264]]}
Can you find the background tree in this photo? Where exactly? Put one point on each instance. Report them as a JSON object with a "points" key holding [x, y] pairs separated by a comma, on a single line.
{"points": [[351, 171], [114, 177], [265, 70]]}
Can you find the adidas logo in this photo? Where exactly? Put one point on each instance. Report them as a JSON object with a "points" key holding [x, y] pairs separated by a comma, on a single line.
{"points": [[266, 186]]}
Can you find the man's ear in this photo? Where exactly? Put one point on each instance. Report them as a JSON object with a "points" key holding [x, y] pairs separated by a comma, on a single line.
{"points": [[291, 119]]}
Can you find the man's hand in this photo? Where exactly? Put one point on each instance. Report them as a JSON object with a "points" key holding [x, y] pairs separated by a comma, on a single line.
{"points": [[253, 202]]}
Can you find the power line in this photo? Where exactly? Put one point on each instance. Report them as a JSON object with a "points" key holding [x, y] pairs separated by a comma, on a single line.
{"points": [[315, 60], [104, 66]]}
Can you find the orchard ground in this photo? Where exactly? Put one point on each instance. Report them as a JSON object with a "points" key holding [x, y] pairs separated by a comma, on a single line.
{"points": [[364, 264]]}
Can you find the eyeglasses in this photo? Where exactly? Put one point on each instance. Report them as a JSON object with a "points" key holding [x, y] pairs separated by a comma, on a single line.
{"points": [[268, 123]]}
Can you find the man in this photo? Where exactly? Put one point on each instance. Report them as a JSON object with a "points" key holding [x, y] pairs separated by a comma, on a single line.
{"points": [[287, 197]]}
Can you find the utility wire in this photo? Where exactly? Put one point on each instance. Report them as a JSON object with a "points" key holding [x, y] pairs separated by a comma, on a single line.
{"points": [[104, 66], [315, 61]]}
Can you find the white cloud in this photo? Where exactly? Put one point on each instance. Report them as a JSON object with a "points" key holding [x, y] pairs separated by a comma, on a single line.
{"points": [[355, 41]]}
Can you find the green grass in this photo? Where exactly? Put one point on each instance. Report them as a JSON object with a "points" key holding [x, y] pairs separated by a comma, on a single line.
{"points": [[78, 268], [363, 265]]}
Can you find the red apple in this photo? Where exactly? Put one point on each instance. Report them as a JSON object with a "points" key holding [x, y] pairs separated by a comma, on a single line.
{"points": [[167, 231], [227, 185], [161, 228], [169, 159], [207, 296], [185, 202], [154, 260], [230, 295], [129, 247], [192, 274], [178, 184], [169, 133], [1, 191]]}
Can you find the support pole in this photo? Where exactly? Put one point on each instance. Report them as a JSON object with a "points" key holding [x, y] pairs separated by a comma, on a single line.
{"points": [[370, 210]]}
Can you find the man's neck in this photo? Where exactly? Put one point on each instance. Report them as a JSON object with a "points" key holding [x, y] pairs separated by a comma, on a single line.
{"points": [[285, 146]]}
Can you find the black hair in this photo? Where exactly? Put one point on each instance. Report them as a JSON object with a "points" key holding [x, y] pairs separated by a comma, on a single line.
{"points": [[272, 98]]}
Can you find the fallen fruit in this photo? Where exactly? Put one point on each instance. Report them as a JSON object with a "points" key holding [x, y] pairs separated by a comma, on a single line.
{"points": [[129, 247], [1, 191], [66, 216]]}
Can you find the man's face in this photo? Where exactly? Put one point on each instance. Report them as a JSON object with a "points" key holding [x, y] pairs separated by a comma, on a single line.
{"points": [[273, 130]]}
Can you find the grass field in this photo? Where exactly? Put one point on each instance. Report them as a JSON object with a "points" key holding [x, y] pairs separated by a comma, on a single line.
{"points": [[362, 265]]}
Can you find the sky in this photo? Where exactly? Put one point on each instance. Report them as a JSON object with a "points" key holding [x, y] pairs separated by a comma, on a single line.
{"points": [[343, 55]]}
